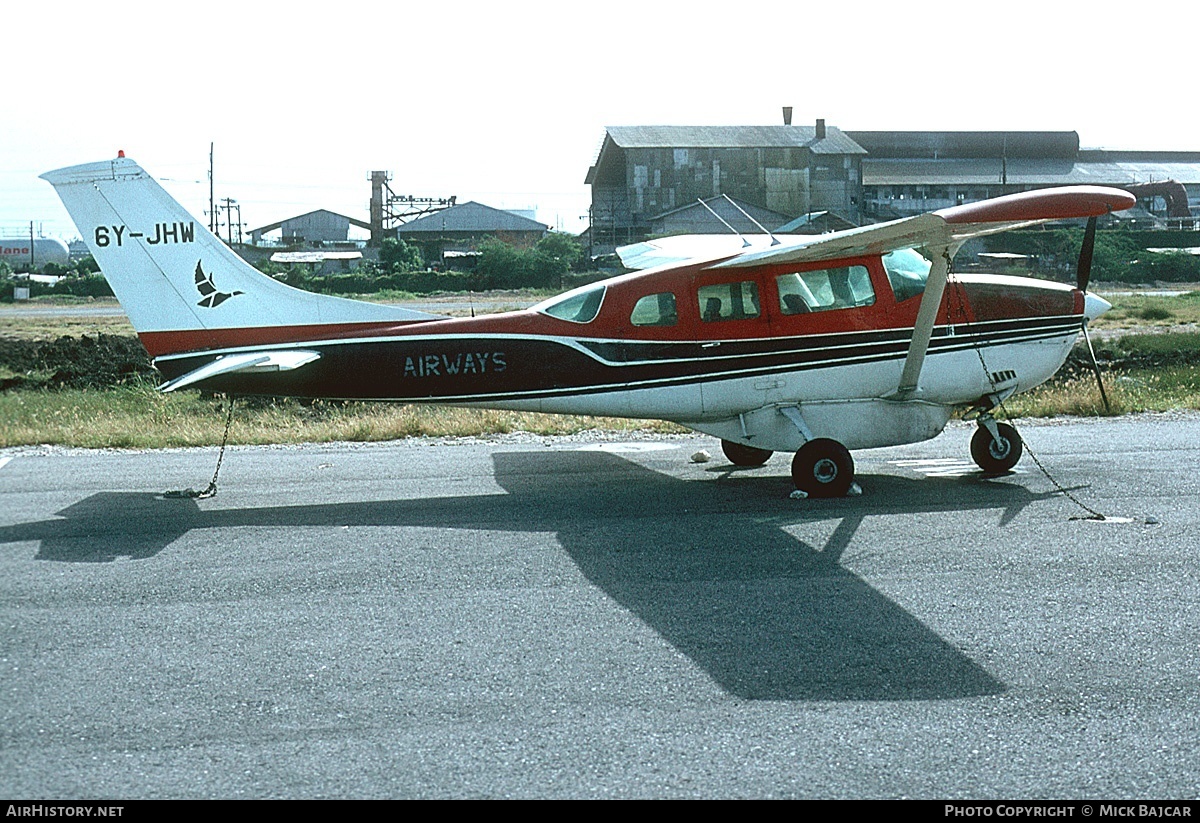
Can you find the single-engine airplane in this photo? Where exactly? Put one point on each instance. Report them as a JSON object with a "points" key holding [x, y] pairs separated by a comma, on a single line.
{"points": [[814, 345]]}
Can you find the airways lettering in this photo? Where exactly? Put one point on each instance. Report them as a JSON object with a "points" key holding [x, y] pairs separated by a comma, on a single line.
{"points": [[454, 365]]}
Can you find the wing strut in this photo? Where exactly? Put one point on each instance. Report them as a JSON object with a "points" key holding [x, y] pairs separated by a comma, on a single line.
{"points": [[935, 286]]}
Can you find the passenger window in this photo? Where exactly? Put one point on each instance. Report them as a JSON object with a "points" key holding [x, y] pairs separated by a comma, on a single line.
{"points": [[655, 310], [824, 289], [729, 301], [907, 271], [578, 305]]}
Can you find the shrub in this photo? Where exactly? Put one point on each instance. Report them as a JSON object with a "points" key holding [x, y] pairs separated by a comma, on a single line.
{"points": [[1171, 267]]}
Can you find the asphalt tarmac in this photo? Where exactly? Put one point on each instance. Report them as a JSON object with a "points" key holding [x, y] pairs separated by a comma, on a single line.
{"points": [[529, 617]]}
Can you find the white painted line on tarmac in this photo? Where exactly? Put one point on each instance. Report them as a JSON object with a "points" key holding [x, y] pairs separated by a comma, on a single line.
{"points": [[627, 448], [938, 461], [4, 461], [944, 467]]}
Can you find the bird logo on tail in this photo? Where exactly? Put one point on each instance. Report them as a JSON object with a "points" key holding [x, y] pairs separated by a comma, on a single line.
{"points": [[210, 296]]}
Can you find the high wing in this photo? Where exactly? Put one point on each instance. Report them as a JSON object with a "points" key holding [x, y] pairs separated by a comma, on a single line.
{"points": [[946, 229], [941, 233], [691, 248]]}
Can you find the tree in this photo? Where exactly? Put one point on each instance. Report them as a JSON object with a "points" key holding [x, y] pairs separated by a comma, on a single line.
{"points": [[500, 266], [1114, 251], [397, 256], [561, 248]]}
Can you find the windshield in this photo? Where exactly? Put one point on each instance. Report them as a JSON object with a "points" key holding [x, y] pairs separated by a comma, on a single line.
{"points": [[907, 271], [578, 305]]}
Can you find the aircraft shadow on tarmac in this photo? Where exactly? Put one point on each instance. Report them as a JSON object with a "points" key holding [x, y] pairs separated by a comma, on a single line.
{"points": [[767, 615]]}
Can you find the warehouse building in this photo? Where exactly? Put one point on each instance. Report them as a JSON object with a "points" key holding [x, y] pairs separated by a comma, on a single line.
{"points": [[644, 172], [314, 228], [458, 230], [909, 173], [649, 180]]}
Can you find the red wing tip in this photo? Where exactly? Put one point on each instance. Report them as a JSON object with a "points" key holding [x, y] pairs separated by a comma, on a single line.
{"points": [[1042, 204]]}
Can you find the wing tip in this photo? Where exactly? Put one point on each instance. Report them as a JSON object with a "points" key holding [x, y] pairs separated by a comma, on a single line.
{"points": [[1059, 203]]}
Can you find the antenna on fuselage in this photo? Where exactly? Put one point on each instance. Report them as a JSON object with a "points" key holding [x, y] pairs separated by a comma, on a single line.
{"points": [[745, 242], [774, 239]]}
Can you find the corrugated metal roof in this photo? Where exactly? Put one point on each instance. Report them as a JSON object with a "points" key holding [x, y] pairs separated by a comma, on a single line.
{"points": [[968, 144], [717, 137], [1022, 172], [271, 227], [723, 207], [471, 218], [313, 256]]}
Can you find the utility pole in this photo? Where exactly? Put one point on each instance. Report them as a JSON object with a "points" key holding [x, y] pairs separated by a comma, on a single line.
{"points": [[212, 212], [229, 205]]}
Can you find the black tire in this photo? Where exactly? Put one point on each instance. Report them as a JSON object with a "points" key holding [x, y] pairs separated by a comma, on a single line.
{"points": [[993, 457], [823, 468], [740, 455]]}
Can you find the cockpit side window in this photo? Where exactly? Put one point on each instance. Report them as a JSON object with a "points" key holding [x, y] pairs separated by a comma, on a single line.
{"points": [[579, 306], [824, 289], [655, 310], [907, 271], [729, 301]]}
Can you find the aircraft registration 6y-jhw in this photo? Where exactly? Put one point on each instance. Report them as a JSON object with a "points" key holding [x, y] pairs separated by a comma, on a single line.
{"points": [[813, 345]]}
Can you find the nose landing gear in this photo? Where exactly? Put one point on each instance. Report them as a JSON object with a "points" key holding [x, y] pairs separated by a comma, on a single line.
{"points": [[995, 447]]}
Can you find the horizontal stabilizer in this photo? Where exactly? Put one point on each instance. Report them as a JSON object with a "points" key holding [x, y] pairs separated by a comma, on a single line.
{"points": [[258, 361]]}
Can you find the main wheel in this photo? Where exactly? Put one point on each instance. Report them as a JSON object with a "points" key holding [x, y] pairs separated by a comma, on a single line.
{"points": [[823, 468], [740, 455], [992, 456]]}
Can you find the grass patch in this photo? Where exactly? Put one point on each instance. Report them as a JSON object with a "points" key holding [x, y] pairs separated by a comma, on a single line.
{"points": [[51, 327], [1131, 310], [1154, 313], [139, 417], [1167, 343], [1133, 390]]}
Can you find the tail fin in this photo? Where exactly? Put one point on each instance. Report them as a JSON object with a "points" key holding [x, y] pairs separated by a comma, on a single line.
{"points": [[181, 287]]}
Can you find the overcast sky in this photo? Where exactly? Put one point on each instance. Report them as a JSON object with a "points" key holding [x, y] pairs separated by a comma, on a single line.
{"points": [[506, 103]]}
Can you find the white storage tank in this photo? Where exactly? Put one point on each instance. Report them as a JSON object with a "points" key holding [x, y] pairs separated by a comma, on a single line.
{"points": [[39, 251]]}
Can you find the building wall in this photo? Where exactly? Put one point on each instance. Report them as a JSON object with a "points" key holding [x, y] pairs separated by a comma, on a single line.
{"points": [[659, 180], [835, 184], [317, 227], [791, 181]]}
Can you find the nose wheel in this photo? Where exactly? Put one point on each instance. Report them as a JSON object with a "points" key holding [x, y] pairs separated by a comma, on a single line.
{"points": [[823, 468], [995, 447]]}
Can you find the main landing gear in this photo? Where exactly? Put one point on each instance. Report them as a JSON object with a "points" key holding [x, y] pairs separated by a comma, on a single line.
{"points": [[995, 447], [746, 456], [823, 468]]}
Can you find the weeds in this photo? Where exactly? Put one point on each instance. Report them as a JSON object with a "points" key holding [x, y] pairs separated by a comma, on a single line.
{"points": [[1133, 390], [139, 417]]}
